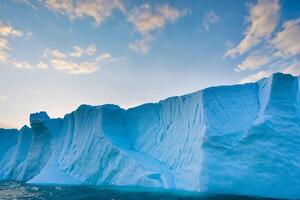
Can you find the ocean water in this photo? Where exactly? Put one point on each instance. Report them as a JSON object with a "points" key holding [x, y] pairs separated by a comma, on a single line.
{"points": [[19, 190]]}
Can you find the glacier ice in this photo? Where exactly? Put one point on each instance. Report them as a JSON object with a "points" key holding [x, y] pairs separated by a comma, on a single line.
{"points": [[241, 139]]}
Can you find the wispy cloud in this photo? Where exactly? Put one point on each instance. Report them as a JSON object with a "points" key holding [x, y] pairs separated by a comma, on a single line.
{"points": [[257, 76], [293, 69], [55, 54], [21, 64], [78, 51], [210, 18], [263, 19], [253, 62], [142, 45], [69, 61], [42, 65], [98, 10], [58, 60], [277, 51], [74, 68], [103, 57], [6, 32], [287, 41], [147, 19]]}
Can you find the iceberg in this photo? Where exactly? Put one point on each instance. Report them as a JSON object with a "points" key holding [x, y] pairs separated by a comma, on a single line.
{"points": [[240, 139]]}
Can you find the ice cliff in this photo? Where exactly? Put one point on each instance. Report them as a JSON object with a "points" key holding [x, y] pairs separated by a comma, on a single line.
{"points": [[242, 139]]}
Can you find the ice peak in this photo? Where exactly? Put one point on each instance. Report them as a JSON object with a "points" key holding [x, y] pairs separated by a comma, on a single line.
{"points": [[39, 116]]}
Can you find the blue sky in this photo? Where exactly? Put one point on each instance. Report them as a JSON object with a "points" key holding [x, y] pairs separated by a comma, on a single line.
{"points": [[58, 54]]}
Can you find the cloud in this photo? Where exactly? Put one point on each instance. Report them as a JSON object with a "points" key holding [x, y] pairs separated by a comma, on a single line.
{"points": [[293, 69], [3, 56], [79, 61], [27, 2], [255, 77], [147, 18], [98, 10], [210, 18], [263, 19], [3, 43], [277, 49], [55, 54], [287, 41], [7, 30], [103, 57], [142, 45], [253, 62], [42, 65], [21, 64], [78, 51], [74, 68]]}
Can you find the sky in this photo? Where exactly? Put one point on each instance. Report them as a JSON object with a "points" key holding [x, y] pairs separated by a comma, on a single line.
{"points": [[58, 54]]}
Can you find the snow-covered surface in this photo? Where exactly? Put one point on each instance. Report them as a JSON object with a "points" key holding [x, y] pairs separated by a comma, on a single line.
{"points": [[242, 139]]}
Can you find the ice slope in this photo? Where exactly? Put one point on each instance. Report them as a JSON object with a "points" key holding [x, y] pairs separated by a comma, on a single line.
{"points": [[242, 139]]}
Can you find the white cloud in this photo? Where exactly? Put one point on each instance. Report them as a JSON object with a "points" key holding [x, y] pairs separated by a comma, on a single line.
{"points": [[293, 69], [147, 18], [74, 68], [103, 57], [55, 54], [98, 10], [78, 51], [255, 77], [69, 61], [287, 42], [141, 46], [253, 62], [210, 18], [4, 43], [7, 30], [3, 56], [42, 65], [21, 64], [263, 19]]}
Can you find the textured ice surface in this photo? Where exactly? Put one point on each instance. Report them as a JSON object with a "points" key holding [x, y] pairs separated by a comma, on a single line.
{"points": [[242, 139]]}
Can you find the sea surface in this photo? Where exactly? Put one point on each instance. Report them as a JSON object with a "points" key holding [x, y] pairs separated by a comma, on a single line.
{"points": [[19, 190]]}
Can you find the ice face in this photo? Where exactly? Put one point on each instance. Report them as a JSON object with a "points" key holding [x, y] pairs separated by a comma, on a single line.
{"points": [[40, 116], [242, 139], [264, 159]]}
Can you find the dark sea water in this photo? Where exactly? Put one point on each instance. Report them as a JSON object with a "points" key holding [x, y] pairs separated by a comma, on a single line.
{"points": [[18, 190]]}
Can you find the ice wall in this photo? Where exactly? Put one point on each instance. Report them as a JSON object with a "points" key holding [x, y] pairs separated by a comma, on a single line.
{"points": [[264, 159], [242, 139]]}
